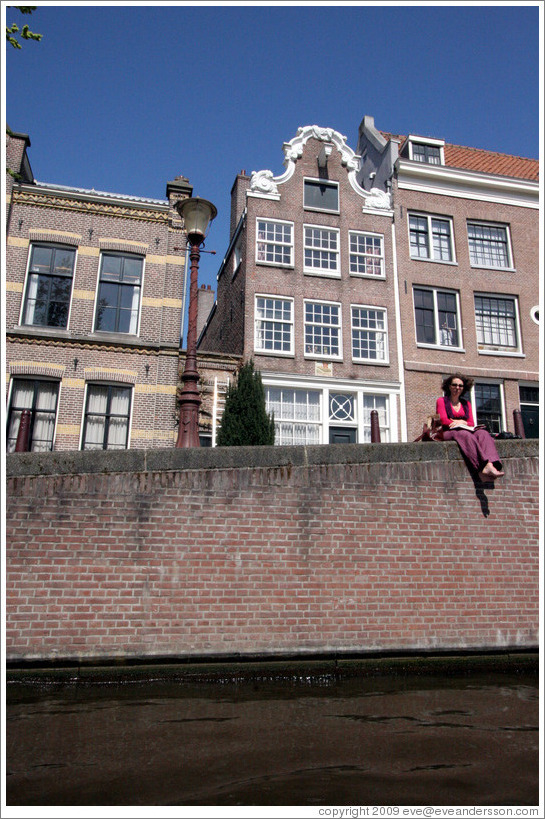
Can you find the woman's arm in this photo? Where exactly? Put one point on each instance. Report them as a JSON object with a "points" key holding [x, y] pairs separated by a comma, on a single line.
{"points": [[470, 420], [440, 408]]}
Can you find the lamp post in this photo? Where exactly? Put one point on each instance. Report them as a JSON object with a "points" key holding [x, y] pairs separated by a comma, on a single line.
{"points": [[197, 215]]}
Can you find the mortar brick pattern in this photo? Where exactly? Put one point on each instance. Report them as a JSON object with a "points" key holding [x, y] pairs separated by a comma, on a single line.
{"points": [[287, 558], [77, 355]]}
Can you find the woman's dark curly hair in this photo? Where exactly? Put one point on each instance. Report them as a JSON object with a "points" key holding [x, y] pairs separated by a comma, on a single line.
{"points": [[467, 382]]}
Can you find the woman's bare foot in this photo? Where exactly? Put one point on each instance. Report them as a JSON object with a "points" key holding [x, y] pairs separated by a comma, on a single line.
{"points": [[490, 473]]}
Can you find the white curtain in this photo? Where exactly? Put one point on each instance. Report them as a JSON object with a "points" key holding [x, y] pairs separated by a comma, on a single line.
{"points": [[32, 292], [44, 414], [97, 401], [117, 432], [134, 311], [44, 418]]}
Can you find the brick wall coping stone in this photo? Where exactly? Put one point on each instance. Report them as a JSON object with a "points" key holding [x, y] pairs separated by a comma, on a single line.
{"points": [[250, 457]]}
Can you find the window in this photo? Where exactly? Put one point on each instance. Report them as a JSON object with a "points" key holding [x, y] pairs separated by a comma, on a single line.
{"points": [[436, 317], [496, 322], [107, 412], [49, 286], [297, 415], [40, 397], [274, 242], [366, 254], [529, 408], [431, 154], [430, 238], [369, 334], [488, 245], [118, 300], [321, 195], [322, 329], [273, 325], [381, 405], [322, 251], [488, 406]]}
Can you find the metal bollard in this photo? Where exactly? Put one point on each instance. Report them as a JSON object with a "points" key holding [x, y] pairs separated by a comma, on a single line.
{"points": [[519, 425], [23, 433], [375, 427]]}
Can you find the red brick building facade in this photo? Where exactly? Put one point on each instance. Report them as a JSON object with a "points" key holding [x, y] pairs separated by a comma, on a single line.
{"points": [[357, 281], [307, 288], [95, 293]]}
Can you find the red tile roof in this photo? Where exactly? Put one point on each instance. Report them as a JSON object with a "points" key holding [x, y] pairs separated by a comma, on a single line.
{"points": [[478, 159]]}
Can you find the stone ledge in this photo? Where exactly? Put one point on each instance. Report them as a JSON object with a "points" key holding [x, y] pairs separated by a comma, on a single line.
{"points": [[165, 460]]}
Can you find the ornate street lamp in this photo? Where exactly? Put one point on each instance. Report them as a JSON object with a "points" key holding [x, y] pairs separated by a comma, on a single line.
{"points": [[197, 215]]}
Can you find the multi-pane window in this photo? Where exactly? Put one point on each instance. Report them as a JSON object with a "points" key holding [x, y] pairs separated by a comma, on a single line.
{"points": [[297, 415], [320, 195], [430, 238], [40, 398], [321, 250], [488, 406], [496, 321], [107, 413], [436, 317], [49, 285], [366, 254], [369, 334], [273, 325], [431, 154], [488, 245], [322, 329], [274, 242], [381, 405], [118, 301]]}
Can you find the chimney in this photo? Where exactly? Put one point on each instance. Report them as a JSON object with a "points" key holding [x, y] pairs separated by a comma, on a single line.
{"points": [[238, 199], [205, 302]]}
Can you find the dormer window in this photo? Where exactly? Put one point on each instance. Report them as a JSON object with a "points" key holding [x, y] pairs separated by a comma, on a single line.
{"points": [[429, 151]]}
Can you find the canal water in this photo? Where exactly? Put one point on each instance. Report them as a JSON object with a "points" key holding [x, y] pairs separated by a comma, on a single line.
{"points": [[307, 740]]}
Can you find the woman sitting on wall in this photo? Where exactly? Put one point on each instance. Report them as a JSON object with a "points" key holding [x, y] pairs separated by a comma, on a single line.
{"points": [[456, 415]]}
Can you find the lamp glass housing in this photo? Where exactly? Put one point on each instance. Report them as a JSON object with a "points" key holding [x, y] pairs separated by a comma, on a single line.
{"points": [[197, 214]]}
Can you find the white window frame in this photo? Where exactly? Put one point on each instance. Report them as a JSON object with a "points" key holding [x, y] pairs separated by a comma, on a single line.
{"points": [[430, 143], [334, 273], [499, 226], [56, 245], [323, 356], [383, 333], [388, 415], [437, 346], [316, 424], [496, 382], [289, 244], [365, 234], [89, 385], [107, 252], [498, 349], [430, 217], [257, 321], [328, 183]]}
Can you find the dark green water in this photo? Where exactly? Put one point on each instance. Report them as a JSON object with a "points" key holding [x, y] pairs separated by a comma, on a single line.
{"points": [[469, 740]]}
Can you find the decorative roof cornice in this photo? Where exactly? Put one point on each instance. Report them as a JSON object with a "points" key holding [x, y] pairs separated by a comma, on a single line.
{"points": [[72, 199], [264, 183]]}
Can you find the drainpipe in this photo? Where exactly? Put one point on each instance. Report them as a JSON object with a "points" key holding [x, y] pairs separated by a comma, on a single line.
{"points": [[399, 339]]}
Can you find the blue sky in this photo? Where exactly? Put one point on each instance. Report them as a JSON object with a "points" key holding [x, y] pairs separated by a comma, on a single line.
{"points": [[122, 98]]}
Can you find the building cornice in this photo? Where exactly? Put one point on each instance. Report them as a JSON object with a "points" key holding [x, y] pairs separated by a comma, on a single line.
{"points": [[465, 184], [33, 337], [90, 202]]}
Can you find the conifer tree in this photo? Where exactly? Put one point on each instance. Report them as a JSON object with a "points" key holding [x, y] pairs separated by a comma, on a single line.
{"points": [[245, 421]]}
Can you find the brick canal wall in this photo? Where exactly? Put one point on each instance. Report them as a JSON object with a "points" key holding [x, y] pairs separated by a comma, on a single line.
{"points": [[269, 551]]}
